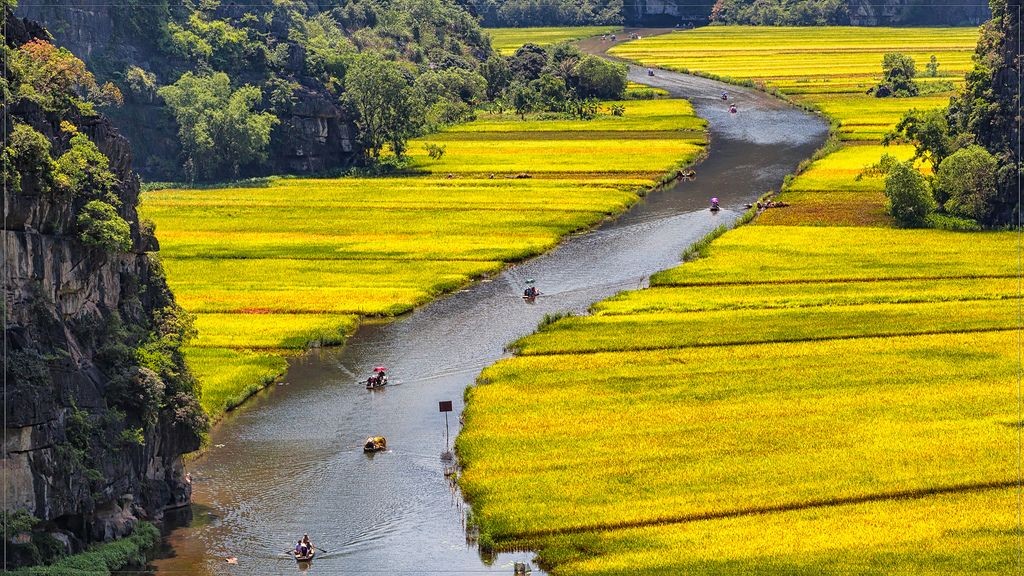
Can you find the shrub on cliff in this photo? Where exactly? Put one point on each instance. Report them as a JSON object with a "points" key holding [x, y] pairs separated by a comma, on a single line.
{"points": [[101, 226]]}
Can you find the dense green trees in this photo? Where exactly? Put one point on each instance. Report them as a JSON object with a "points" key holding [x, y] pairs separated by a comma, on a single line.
{"points": [[389, 110], [781, 12], [974, 144], [220, 129], [519, 13]]}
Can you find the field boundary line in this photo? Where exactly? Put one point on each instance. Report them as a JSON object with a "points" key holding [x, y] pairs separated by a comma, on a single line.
{"points": [[910, 494], [828, 280], [994, 298], [1012, 328]]}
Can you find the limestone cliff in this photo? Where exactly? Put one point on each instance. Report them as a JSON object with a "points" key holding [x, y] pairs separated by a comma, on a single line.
{"points": [[99, 407], [314, 134]]}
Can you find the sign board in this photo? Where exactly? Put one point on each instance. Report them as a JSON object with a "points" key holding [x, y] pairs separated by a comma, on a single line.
{"points": [[444, 406]]}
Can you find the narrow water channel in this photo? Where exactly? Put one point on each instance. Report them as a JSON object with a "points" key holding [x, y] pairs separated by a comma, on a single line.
{"points": [[290, 461]]}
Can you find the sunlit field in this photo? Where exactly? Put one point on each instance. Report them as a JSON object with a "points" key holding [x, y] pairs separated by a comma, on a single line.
{"points": [[959, 533], [507, 40], [810, 397], [828, 69], [792, 367], [298, 261]]}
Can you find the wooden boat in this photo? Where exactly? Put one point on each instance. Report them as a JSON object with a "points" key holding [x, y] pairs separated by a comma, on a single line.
{"points": [[375, 444], [307, 558]]}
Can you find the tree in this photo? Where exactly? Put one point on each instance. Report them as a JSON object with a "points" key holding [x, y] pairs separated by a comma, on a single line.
{"points": [[220, 129], [928, 130], [965, 183], [909, 199], [598, 78], [522, 97], [497, 73], [57, 80], [898, 71], [528, 62], [389, 110]]}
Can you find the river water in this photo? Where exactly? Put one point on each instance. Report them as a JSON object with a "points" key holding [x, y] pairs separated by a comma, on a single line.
{"points": [[290, 461]]}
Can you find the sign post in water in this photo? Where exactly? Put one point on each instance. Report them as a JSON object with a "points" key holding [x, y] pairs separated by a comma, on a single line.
{"points": [[446, 407]]}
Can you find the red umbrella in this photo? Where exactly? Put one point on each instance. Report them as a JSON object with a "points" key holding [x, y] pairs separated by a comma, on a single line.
{"points": [[379, 369]]}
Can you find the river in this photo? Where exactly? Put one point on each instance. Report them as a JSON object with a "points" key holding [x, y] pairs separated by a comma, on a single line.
{"points": [[290, 460]]}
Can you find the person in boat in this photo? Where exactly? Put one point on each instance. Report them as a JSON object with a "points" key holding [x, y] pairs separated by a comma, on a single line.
{"points": [[307, 544], [530, 292], [380, 378], [714, 203], [732, 108], [725, 95], [300, 550]]}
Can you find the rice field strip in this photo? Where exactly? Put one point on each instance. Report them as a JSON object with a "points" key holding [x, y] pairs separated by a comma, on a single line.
{"points": [[835, 280], [523, 537], [739, 343]]}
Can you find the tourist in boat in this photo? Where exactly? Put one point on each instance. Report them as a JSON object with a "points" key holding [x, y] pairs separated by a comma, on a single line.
{"points": [[307, 544]]}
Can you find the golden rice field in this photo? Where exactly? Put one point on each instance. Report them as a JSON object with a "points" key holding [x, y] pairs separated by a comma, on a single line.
{"points": [[507, 40], [269, 270], [794, 368], [964, 533], [827, 69]]}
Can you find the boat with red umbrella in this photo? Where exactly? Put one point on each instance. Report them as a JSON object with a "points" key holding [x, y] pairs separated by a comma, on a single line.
{"points": [[379, 378]]}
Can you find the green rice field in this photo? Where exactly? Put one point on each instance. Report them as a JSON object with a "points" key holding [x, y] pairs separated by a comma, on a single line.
{"points": [[507, 40], [819, 393], [270, 270]]}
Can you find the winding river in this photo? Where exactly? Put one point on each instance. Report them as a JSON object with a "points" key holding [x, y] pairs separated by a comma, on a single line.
{"points": [[290, 461]]}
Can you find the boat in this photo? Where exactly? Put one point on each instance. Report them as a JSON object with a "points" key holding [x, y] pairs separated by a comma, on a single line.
{"points": [[374, 382], [375, 444], [307, 558]]}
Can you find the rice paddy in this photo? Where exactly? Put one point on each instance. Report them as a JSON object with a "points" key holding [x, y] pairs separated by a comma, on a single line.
{"points": [[828, 69], [270, 270], [507, 40], [819, 394]]}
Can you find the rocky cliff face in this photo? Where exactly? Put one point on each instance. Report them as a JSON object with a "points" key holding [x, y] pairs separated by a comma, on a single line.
{"points": [[99, 407], [911, 13], [314, 135]]}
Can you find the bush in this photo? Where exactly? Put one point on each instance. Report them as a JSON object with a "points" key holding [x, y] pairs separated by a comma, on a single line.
{"points": [[85, 171], [910, 201], [952, 223], [898, 71], [102, 559], [965, 183], [140, 391], [102, 227]]}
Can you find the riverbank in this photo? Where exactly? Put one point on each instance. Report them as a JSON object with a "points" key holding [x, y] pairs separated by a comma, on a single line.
{"points": [[798, 380], [268, 271]]}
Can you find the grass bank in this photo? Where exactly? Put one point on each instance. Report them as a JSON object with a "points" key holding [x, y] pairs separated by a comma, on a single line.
{"points": [[817, 393], [271, 269], [102, 559]]}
